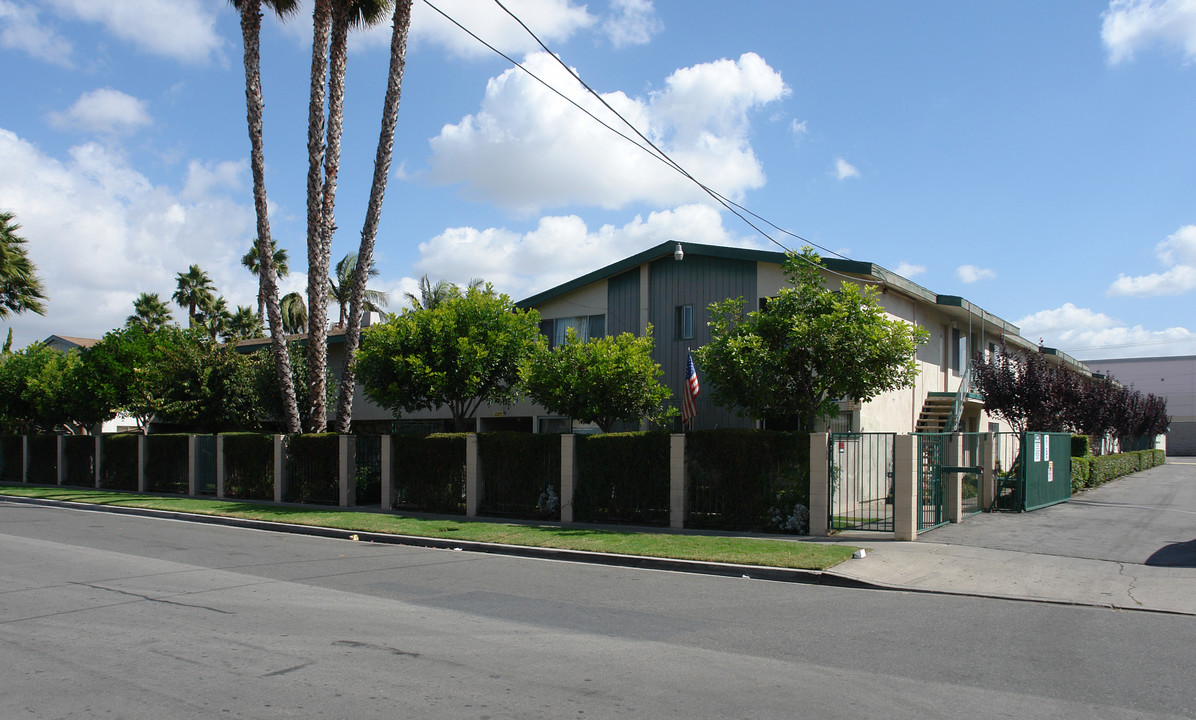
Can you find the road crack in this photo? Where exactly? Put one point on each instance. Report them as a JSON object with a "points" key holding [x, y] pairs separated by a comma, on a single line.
{"points": [[148, 598]]}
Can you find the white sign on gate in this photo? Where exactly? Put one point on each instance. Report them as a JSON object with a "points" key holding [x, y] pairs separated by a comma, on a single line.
{"points": [[1037, 448]]}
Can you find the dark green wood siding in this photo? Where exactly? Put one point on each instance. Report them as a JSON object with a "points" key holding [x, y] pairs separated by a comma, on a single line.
{"points": [[623, 303]]}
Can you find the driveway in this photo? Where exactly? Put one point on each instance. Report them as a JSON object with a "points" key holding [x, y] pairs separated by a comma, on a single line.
{"points": [[1148, 518]]}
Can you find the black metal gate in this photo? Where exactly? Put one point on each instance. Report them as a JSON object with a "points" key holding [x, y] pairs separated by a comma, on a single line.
{"points": [[861, 477], [932, 495]]}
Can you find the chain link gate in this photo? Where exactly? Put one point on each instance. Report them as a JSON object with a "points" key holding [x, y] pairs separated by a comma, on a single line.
{"points": [[861, 477]]}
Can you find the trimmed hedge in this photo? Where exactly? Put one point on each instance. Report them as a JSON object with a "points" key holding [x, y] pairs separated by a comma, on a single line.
{"points": [[622, 478], [43, 459], [166, 463], [12, 458], [79, 453], [520, 475], [429, 473], [1095, 470], [118, 464], [746, 479], [1081, 446], [248, 466], [313, 475]]}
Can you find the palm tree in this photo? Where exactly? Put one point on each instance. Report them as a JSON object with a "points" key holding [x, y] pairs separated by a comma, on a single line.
{"points": [[340, 288], [252, 262], [294, 313], [193, 291], [21, 290], [431, 295], [251, 27], [244, 324], [213, 316], [332, 22], [149, 312], [400, 24]]}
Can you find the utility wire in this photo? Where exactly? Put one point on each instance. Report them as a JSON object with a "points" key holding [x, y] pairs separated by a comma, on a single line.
{"points": [[647, 145]]}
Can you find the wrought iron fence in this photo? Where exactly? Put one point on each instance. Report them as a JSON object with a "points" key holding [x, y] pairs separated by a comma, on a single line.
{"points": [[205, 465], [521, 475], [369, 469], [79, 455], [166, 464], [932, 496], [1007, 455], [43, 460], [861, 476]]}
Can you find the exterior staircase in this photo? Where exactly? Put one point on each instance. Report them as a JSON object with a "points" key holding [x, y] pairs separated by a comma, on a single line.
{"points": [[935, 412]]}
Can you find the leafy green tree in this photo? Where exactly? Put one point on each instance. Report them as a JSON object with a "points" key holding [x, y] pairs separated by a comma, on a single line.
{"points": [[124, 371], [602, 380], [465, 352], [38, 394], [193, 290], [150, 312], [340, 288], [210, 388], [21, 289], [431, 294], [809, 348]]}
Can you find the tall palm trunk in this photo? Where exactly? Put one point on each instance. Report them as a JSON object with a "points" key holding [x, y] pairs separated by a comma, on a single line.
{"points": [[317, 257], [390, 114], [251, 25]]}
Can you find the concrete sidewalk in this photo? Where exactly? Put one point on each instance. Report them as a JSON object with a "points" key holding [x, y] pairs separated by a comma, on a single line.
{"points": [[1129, 544], [987, 572]]}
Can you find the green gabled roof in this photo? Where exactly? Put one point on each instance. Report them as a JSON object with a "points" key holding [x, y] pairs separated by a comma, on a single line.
{"points": [[665, 249]]}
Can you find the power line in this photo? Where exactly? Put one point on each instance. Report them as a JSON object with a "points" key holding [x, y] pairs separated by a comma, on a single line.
{"points": [[648, 145]]}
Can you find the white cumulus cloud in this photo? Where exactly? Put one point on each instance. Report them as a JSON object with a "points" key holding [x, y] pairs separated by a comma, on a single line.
{"points": [[844, 169], [1177, 251], [181, 29], [560, 248], [20, 29], [103, 111], [632, 22], [528, 149], [1130, 25], [909, 270], [1085, 333], [971, 273], [100, 232]]}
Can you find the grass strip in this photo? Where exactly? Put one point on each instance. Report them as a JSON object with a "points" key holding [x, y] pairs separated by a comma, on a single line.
{"points": [[765, 552]]}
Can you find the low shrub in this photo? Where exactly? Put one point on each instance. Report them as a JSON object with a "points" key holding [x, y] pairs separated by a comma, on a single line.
{"points": [[1081, 446], [1081, 469]]}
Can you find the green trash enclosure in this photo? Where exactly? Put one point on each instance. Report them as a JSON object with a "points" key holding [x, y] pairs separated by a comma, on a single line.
{"points": [[1046, 469]]}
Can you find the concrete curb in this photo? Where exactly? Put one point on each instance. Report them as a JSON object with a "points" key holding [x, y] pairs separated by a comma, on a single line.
{"points": [[753, 572]]}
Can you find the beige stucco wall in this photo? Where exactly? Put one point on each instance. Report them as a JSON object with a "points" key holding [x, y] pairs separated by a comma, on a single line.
{"points": [[588, 300]]}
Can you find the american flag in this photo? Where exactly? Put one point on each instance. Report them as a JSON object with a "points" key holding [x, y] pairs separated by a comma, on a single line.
{"points": [[691, 391]]}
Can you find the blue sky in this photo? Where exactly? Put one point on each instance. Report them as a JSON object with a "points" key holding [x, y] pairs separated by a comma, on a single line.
{"points": [[1034, 158]]}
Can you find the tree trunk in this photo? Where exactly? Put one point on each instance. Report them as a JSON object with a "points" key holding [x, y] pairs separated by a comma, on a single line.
{"points": [[317, 263], [251, 22], [373, 215]]}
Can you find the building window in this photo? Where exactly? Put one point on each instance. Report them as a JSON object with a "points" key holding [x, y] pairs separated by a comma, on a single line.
{"points": [[586, 327], [685, 322]]}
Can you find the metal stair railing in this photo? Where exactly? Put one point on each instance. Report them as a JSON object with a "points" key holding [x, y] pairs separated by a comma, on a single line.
{"points": [[965, 386]]}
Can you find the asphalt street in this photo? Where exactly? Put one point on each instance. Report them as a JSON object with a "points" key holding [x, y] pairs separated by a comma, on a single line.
{"points": [[111, 616]]}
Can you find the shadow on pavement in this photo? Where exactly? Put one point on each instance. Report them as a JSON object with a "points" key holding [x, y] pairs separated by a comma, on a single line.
{"points": [[1175, 555]]}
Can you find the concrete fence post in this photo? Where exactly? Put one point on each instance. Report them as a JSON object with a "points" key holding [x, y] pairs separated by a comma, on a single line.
{"points": [[387, 480], [220, 467], [192, 465], [141, 453], [906, 504], [988, 478], [280, 468], [954, 480], [677, 485], [820, 485], [348, 470], [61, 464], [568, 475], [24, 458], [99, 458], [473, 476]]}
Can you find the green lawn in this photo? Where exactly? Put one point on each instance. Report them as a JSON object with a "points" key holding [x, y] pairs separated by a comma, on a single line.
{"points": [[764, 552]]}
